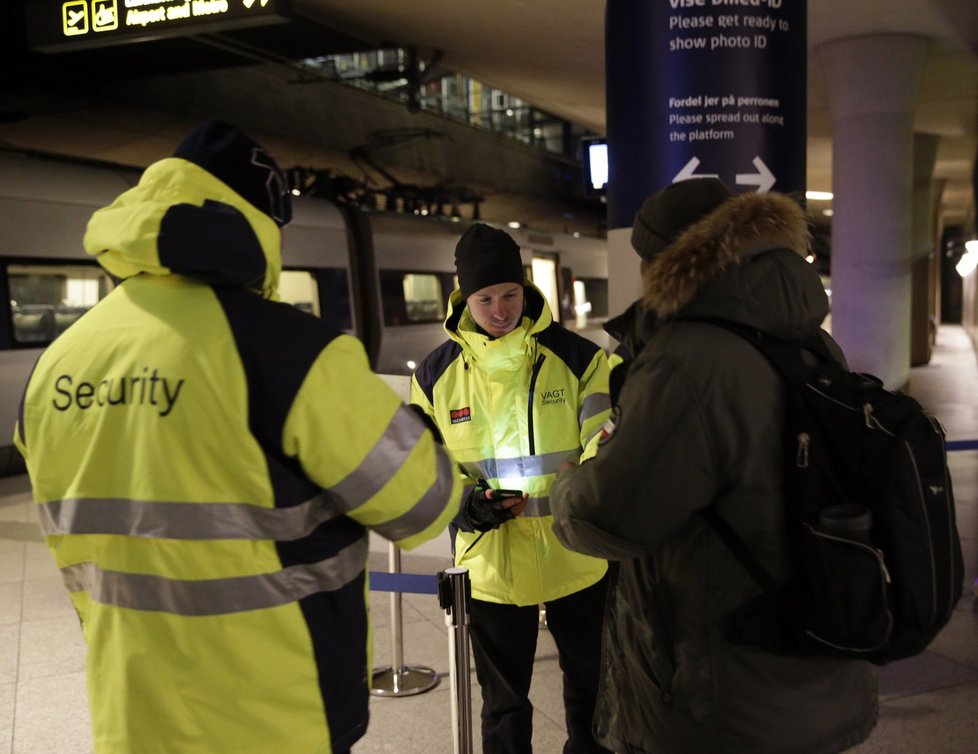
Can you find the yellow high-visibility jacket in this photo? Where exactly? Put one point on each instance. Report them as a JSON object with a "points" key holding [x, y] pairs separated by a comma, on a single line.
{"points": [[206, 464], [512, 410]]}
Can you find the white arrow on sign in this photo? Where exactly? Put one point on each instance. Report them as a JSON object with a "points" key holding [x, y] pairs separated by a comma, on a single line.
{"points": [[249, 3], [689, 171], [763, 178]]}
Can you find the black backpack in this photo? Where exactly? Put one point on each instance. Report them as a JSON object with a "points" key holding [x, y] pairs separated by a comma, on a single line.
{"points": [[869, 513]]}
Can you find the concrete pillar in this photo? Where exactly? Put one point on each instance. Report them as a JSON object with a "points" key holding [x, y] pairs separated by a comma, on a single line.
{"points": [[872, 84], [922, 248]]}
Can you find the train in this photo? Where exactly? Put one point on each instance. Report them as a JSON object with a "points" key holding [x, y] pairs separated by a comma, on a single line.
{"points": [[384, 277]]}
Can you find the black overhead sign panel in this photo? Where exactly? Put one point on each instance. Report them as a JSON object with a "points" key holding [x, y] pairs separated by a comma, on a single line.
{"points": [[58, 25]]}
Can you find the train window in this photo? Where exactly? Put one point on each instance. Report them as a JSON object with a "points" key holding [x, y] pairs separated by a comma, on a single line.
{"points": [[298, 287], [411, 297], [46, 299], [324, 293]]}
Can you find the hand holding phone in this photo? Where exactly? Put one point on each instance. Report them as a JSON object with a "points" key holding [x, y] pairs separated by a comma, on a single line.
{"points": [[486, 508], [513, 501], [501, 495]]}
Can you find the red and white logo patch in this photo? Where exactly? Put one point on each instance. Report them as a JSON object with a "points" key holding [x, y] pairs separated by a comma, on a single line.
{"points": [[460, 415], [608, 430]]}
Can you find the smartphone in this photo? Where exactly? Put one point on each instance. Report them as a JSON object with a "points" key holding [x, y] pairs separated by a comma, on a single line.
{"points": [[506, 494]]}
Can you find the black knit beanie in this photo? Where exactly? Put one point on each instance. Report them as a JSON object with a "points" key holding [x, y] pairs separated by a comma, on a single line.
{"points": [[667, 213], [486, 256], [236, 160]]}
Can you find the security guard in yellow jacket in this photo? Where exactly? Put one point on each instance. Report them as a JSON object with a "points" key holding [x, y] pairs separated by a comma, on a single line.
{"points": [[516, 397], [206, 463]]}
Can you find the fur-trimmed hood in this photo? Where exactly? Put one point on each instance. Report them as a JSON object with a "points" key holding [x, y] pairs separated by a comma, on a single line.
{"points": [[745, 261]]}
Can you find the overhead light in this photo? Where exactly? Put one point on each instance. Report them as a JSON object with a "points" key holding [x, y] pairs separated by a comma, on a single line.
{"points": [[969, 261], [514, 224], [828, 212], [810, 258], [824, 196]]}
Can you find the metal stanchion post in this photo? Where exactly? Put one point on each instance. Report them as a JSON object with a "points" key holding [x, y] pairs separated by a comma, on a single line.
{"points": [[397, 679], [453, 595]]}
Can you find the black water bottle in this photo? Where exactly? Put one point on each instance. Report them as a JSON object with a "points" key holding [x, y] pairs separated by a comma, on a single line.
{"points": [[851, 521]]}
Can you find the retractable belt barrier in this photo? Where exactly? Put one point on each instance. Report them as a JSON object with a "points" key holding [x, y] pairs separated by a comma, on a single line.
{"points": [[406, 583], [398, 679], [453, 589]]}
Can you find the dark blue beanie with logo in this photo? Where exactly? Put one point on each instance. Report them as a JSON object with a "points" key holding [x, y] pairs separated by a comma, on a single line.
{"points": [[237, 160]]}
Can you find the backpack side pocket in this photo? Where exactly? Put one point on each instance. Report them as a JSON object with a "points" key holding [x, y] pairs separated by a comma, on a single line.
{"points": [[849, 608]]}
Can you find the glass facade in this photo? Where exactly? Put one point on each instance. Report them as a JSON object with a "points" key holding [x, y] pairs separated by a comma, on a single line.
{"points": [[399, 75]]}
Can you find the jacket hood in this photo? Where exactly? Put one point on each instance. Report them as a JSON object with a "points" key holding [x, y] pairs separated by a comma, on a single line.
{"points": [[180, 219], [744, 262]]}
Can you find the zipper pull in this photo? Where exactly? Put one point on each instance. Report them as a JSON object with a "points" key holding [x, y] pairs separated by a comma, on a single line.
{"points": [[886, 571], [801, 456]]}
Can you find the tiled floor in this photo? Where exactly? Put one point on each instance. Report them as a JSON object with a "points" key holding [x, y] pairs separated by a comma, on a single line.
{"points": [[929, 703]]}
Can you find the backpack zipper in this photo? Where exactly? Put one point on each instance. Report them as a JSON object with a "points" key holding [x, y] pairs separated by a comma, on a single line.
{"points": [[801, 456]]}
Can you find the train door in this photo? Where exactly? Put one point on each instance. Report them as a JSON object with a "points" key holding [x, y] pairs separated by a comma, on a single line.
{"points": [[319, 272], [543, 273], [415, 259]]}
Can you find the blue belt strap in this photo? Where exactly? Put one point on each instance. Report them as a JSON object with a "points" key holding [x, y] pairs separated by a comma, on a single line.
{"points": [[962, 445]]}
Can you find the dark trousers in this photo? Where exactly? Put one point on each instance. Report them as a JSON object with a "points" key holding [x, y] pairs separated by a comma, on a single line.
{"points": [[504, 640]]}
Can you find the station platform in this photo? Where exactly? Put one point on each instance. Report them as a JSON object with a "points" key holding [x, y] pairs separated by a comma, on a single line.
{"points": [[928, 703]]}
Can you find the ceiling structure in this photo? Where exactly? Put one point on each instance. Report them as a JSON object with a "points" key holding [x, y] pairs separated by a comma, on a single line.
{"points": [[550, 54]]}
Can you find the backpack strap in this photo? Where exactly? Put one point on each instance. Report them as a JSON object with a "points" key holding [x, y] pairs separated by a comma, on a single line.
{"points": [[736, 546], [784, 355], [788, 359]]}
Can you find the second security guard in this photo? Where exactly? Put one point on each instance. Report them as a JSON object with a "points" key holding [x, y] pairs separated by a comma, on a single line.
{"points": [[516, 397]]}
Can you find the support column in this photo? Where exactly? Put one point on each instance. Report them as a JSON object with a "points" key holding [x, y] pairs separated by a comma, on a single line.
{"points": [[872, 84], [922, 248]]}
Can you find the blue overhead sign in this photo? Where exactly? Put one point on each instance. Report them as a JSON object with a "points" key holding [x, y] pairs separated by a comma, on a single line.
{"points": [[56, 25], [718, 89]]}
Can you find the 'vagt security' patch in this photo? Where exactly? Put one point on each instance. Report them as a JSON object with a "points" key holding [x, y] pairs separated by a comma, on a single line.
{"points": [[460, 415]]}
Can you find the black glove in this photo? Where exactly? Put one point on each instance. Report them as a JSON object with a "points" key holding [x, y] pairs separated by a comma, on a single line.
{"points": [[483, 514]]}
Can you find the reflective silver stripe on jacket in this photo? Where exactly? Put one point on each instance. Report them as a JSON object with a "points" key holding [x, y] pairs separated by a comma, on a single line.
{"points": [[524, 466], [162, 520], [428, 508], [217, 596], [591, 436], [593, 405], [537, 507], [173, 520], [382, 462]]}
